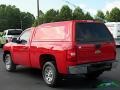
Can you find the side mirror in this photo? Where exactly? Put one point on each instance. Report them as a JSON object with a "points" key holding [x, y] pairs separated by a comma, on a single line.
{"points": [[23, 41], [15, 40]]}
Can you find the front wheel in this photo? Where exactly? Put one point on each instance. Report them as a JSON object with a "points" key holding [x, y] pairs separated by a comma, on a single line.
{"points": [[1, 45], [50, 74], [9, 65]]}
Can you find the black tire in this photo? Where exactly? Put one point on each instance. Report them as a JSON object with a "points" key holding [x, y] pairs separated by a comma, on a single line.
{"points": [[0, 45], [9, 65], [50, 74], [93, 75]]}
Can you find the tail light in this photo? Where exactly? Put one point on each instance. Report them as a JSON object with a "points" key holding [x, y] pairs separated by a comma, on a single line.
{"points": [[71, 55]]}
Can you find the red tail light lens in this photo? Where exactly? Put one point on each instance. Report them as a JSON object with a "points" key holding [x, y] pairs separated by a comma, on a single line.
{"points": [[71, 55]]}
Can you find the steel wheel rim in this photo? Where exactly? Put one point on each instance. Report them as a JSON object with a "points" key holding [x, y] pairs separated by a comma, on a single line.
{"points": [[48, 74], [7, 62]]}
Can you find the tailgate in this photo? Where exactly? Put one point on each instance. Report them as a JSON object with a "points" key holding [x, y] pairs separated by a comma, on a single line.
{"points": [[87, 53]]}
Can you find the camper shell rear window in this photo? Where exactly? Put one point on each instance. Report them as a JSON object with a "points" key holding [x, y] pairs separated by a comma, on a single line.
{"points": [[92, 32]]}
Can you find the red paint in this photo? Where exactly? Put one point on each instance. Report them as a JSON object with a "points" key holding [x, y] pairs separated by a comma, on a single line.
{"points": [[59, 41]]}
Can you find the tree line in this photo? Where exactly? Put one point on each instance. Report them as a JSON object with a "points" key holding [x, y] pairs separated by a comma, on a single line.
{"points": [[66, 13], [12, 17]]}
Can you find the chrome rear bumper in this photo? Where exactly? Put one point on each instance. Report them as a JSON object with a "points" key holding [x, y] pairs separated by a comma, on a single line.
{"points": [[92, 67]]}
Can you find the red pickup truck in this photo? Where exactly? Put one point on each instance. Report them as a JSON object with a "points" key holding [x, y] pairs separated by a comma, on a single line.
{"points": [[77, 47]]}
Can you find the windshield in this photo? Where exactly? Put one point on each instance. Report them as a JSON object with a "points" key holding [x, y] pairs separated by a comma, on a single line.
{"points": [[14, 32], [92, 32]]}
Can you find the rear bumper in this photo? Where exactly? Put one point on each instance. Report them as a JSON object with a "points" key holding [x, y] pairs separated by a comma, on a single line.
{"points": [[87, 68]]}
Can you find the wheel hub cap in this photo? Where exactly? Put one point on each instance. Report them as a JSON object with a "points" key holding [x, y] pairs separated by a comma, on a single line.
{"points": [[48, 74]]}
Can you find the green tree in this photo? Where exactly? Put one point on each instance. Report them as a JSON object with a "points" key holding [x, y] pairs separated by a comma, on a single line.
{"points": [[26, 20], [40, 19], [78, 14], [41, 14], [3, 19], [50, 16], [107, 16], [11, 17], [100, 15], [114, 15], [65, 13], [88, 16]]}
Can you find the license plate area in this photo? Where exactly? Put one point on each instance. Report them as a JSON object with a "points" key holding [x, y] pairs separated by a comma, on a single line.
{"points": [[88, 68], [99, 67]]}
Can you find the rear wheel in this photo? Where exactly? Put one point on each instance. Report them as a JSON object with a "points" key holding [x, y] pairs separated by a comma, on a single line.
{"points": [[9, 65], [0, 45], [50, 74]]}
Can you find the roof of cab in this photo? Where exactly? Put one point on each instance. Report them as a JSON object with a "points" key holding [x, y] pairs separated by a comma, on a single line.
{"points": [[71, 21]]}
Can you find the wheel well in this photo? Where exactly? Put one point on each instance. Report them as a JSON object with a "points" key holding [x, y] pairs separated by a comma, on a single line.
{"points": [[46, 57], [5, 52]]}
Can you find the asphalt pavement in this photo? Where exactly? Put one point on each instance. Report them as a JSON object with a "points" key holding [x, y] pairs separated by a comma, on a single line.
{"points": [[31, 79]]}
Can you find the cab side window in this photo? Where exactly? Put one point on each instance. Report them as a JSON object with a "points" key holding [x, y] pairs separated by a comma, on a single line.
{"points": [[24, 38]]}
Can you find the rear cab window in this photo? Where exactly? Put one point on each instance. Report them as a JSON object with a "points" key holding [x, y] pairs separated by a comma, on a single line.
{"points": [[88, 32]]}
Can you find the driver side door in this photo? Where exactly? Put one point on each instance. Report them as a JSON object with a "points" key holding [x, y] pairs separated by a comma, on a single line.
{"points": [[21, 49]]}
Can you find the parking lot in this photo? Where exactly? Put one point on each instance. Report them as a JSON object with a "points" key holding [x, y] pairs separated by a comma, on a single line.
{"points": [[31, 79]]}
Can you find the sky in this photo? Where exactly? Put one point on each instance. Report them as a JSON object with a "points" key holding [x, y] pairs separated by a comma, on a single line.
{"points": [[87, 5]]}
